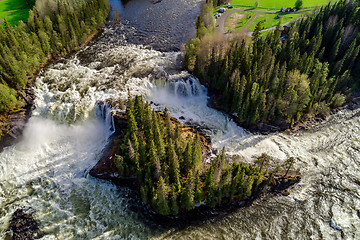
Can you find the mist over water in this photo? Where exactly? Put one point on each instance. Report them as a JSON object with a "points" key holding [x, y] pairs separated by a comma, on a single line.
{"points": [[48, 169]]}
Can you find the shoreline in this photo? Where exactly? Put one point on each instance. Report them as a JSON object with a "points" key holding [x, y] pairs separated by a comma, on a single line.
{"points": [[105, 170], [266, 128], [15, 121]]}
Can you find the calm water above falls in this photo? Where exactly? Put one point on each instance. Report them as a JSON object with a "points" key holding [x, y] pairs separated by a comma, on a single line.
{"points": [[65, 137]]}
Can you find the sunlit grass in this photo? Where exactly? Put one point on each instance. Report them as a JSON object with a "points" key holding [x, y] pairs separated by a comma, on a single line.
{"points": [[280, 3], [15, 10], [271, 19]]}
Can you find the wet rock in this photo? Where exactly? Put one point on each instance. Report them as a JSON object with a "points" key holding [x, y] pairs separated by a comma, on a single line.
{"points": [[335, 226], [23, 225], [155, 1], [282, 181]]}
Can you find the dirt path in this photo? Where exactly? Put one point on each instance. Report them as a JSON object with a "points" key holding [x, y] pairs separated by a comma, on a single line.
{"points": [[246, 26], [273, 28], [221, 21]]}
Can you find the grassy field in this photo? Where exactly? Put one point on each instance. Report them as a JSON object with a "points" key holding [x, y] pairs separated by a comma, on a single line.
{"points": [[280, 3], [237, 20], [15, 10], [271, 19], [269, 12]]}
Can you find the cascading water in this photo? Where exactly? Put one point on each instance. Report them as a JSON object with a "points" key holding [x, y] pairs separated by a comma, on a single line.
{"points": [[105, 111], [48, 169]]}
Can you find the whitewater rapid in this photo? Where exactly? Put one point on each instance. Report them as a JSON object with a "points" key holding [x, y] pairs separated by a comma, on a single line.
{"points": [[65, 137]]}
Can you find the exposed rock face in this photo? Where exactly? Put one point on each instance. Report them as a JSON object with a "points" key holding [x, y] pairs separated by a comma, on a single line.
{"points": [[23, 225], [12, 127]]}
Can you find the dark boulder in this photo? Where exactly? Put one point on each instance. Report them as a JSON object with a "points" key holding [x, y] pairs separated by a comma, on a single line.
{"points": [[23, 225]]}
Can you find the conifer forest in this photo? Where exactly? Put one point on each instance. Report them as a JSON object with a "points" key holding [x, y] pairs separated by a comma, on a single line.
{"points": [[313, 69], [170, 168], [58, 29]]}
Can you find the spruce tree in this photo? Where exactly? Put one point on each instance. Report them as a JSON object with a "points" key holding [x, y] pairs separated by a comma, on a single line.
{"points": [[162, 198], [173, 202]]}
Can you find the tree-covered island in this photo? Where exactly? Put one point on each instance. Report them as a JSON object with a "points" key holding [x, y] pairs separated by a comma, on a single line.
{"points": [[168, 164]]}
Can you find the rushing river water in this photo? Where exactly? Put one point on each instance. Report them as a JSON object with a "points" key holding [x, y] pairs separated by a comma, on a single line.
{"points": [[48, 169]]}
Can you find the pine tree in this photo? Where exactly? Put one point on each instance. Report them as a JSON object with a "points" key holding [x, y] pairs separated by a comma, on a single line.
{"points": [[173, 202], [155, 161], [168, 125], [196, 154], [187, 197], [158, 136], [198, 191], [174, 171], [248, 185], [263, 160], [187, 163], [162, 198], [288, 164]]}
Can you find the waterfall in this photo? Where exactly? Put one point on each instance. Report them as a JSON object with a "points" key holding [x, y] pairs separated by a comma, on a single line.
{"points": [[189, 87], [72, 123]]}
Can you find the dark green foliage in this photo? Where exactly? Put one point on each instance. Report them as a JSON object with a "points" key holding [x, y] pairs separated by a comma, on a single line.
{"points": [[7, 98], [269, 81], [288, 164], [25, 47], [299, 4], [169, 166]]}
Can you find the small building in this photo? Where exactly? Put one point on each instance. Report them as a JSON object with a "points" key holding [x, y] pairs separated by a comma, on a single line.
{"points": [[288, 9], [222, 10], [294, 9], [282, 10]]}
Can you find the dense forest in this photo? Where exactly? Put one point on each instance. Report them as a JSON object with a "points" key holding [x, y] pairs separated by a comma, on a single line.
{"points": [[55, 29], [170, 169], [284, 76]]}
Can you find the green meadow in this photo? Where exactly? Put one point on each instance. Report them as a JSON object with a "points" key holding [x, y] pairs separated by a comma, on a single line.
{"points": [[271, 20], [270, 17], [15, 10], [279, 3]]}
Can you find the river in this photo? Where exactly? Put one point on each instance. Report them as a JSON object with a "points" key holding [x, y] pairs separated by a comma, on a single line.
{"points": [[48, 170]]}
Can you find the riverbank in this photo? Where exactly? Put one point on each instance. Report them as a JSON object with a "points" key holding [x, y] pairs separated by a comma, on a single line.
{"points": [[281, 126], [21, 70], [13, 123]]}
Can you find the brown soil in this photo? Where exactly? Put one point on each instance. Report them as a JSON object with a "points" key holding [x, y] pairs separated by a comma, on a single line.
{"points": [[232, 21]]}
